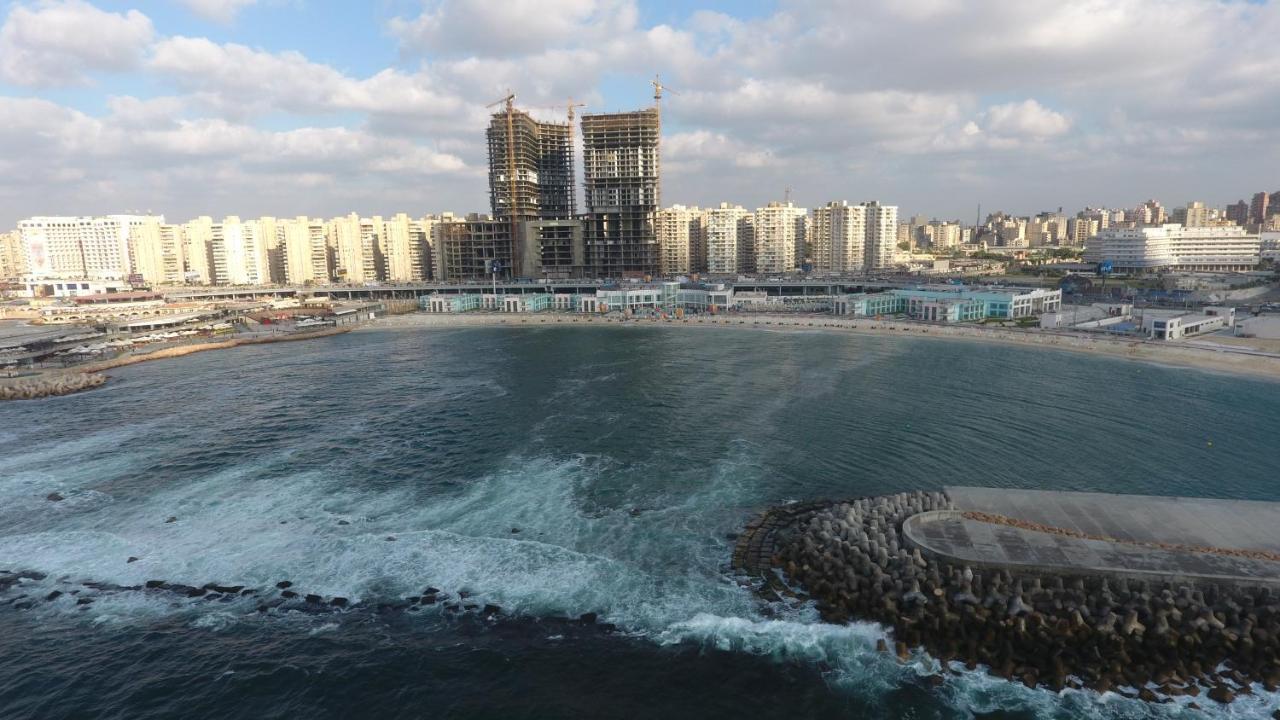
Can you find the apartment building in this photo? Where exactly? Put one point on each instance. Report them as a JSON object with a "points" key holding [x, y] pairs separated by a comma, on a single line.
{"points": [[1172, 247]]}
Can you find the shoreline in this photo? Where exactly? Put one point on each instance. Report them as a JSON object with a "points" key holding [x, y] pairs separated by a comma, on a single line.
{"points": [[1245, 362], [55, 383]]}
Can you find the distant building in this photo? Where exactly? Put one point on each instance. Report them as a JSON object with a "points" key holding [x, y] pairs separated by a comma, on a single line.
{"points": [[156, 253], [1259, 208], [13, 259], [779, 229], [79, 247], [882, 235], [729, 238], [1174, 247], [679, 230], [839, 241], [1195, 214]]}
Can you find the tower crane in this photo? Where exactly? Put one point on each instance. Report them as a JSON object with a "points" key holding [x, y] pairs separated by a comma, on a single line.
{"points": [[508, 103]]}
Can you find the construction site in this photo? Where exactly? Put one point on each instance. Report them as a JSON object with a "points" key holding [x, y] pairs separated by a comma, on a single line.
{"points": [[534, 229]]}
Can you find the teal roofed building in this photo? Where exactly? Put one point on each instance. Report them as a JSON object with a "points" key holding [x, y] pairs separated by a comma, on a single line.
{"points": [[952, 305]]}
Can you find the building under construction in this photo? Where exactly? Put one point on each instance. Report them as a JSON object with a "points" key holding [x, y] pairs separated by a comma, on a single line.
{"points": [[532, 195], [530, 168], [621, 183], [466, 248]]}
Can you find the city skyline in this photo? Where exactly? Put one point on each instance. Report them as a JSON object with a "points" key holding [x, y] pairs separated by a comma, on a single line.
{"points": [[205, 107]]}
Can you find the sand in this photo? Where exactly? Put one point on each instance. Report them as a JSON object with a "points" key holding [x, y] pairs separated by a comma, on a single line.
{"points": [[1220, 357]]}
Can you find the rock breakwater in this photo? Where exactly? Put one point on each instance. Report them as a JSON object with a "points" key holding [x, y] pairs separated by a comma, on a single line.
{"points": [[1150, 640], [50, 386]]}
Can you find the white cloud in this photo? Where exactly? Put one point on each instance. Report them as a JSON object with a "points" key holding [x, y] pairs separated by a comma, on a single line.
{"points": [[512, 27], [139, 158], [241, 81], [927, 103], [61, 42], [1026, 119], [221, 11]]}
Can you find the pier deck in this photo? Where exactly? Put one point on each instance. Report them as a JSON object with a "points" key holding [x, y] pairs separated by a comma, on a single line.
{"points": [[1131, 524]]}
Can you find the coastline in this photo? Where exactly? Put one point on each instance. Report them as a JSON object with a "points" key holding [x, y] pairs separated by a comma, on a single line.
{"points": [[1221, 359], [71, 380]]}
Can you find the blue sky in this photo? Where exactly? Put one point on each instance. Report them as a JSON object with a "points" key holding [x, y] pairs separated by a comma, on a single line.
{"points": [[289, 107]]}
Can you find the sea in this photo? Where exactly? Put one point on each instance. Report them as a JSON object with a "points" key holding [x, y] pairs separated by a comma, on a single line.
{"points": [[553, 472]]}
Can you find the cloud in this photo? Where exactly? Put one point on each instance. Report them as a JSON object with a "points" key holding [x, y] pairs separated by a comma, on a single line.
{"points": [[240, 81], [1026, 119], [63, 42], [141, 155], [930, 104], [511, 28], [220, 11]]}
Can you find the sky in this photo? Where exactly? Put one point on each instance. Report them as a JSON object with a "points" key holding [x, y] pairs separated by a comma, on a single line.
{"points": [[325, 107]]}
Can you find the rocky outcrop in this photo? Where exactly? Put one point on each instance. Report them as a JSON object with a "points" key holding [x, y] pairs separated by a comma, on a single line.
{"points": [[852, 560]]}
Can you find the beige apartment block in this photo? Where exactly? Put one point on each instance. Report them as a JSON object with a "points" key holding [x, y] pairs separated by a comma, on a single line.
{"points": [[679, 231], [779, 229], [156, 253]]}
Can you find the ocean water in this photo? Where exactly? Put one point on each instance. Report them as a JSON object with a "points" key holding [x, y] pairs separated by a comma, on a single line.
{"points": [[553, 472]]}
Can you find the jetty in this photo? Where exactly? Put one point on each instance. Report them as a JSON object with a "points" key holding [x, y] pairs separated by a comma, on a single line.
{"points": [[1156, 597]]}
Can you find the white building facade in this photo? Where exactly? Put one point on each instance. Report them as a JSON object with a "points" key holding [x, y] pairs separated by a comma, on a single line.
{"points": [[1175, 248]]}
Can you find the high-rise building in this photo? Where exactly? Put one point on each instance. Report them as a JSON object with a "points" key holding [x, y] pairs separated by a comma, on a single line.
{"points": [[882, 235], [1259, 207], [79, 247], [238, 253], [271, 235], [621, 185], [530, 168], [406, 245], [679, 229], [779, 228], [357, 249], [727, 233], [155, 253], [531, 177], [308, 259], [197, 250], [839, 240]]}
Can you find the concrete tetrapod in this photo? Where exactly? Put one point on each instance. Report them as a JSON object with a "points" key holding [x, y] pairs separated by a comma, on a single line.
{"points": [[1055, 630]]}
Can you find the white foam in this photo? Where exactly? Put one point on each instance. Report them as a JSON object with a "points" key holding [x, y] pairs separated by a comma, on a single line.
{"points": [[657, 573]]}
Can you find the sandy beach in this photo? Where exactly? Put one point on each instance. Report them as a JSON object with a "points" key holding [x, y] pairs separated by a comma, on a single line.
{"points": [[1230, 358]]}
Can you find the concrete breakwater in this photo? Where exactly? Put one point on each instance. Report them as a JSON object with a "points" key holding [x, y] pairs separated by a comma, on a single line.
{"points": [[1049, 627], [50, 386]]}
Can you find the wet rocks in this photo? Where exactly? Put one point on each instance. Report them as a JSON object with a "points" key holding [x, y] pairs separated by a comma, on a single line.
{"points": [[54, 497], [50, 386], [853, 562]]}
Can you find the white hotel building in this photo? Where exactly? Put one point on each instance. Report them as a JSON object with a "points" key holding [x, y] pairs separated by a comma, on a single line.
{"points": [[1175, 248]]}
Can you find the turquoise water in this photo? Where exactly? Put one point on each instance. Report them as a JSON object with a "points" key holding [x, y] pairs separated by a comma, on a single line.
{"points": [[554, 472]]}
